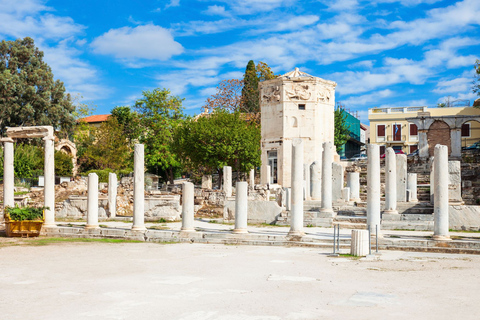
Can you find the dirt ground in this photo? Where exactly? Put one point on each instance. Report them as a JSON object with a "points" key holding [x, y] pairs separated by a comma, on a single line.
{"points": [[216, 282]]}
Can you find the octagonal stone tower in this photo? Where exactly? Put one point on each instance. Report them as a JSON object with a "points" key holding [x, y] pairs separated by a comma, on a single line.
{"points": [[294, 105]]}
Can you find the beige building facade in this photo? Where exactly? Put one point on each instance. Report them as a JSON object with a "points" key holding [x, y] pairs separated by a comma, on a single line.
{"points": [[412, 128], [294, 105]]}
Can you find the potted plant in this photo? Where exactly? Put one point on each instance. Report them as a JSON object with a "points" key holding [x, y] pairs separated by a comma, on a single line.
{"points": [[23, 222]]}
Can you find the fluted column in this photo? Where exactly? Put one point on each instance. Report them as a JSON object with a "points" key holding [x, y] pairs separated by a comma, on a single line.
{"points": [[49, 187], [241, 207], [139, 188], [92, 202], [296, 225], [440, 204], [327, 161], [188, 201], [8, 174], [373, 187], [112, 194], [390, 182]]}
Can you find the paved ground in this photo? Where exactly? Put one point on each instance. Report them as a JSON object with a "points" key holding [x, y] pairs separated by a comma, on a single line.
{"points": [[216, 282]]}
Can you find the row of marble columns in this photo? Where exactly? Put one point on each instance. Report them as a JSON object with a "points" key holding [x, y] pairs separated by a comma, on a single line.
{"points": [[373, 188], [138, 194]]}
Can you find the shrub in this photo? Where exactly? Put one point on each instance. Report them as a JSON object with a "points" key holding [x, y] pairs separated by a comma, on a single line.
{"points": [[63, 164], [25, 213]]}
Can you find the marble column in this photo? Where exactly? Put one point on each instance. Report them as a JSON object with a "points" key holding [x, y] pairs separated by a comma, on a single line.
{"points": [[327, 160], [353, 182], [139, 189], [49, 187], [251, 178], [241, 207], [373, 187], [8, 174], [188, 200], [306, 177], [268, 175], [288, 200], [112, 194], [390, 182], [431, 162], [296, 225], [360, 243], [227, 181], [92, 202], [440, 206], [456, 142], [412, 187], [422, 143], [401, 177], [337, 181], [316, 180]]}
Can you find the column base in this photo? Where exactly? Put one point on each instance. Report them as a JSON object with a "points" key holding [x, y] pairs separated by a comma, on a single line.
{"points": [[237, 231], [49, 225], [186, 233], [441, 238], [390, 211], [141, 228], [295, 233], [91, 226]]}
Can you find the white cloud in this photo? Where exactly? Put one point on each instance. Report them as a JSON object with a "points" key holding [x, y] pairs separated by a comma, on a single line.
{"points": [[458, 85], [253, 6], [45, 26], [143, 42], [367, 99], [22, 6], [296, 22], [368, 64], [216, 11], [172, 3], [79, 76]]}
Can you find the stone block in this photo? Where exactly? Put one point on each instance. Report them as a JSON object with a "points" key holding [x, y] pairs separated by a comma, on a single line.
{"points": [[258, 211]]}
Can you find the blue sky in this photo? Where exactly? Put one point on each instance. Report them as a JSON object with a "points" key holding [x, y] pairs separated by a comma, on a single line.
{"points": [[380, 52]]}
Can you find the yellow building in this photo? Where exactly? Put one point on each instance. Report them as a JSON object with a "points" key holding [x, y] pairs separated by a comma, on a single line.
{"points": [[389, 127]]}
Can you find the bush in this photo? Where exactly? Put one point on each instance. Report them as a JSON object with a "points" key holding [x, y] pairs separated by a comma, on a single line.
{"points": [[63, 164], [102, 174], [25, 213]]}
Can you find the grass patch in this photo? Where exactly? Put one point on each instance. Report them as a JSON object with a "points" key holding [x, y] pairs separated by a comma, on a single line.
{"points": [[20, 193], [404, 230], [465, 231], [159, 228], [310, 225], [47, 241]]}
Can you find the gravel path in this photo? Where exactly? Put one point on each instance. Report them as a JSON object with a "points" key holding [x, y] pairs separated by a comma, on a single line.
{"points": [[216, 282]]}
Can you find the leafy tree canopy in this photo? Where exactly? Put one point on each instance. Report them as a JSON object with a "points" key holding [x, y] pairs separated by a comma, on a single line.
{"points": [[218, 140], [342, 132], [160, 114], [29, 96]]}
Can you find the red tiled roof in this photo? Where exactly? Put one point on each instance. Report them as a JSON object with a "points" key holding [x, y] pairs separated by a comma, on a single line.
{"points": [[96, 118]]}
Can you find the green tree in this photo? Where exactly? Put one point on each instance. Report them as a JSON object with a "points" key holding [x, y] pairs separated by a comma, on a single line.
{"points": [[29, 96], [129, 122], [264, 72], [109, 148], [250, 94], [342, 132], [476, 82], [219, 139], [160, 114], [63, 164]]}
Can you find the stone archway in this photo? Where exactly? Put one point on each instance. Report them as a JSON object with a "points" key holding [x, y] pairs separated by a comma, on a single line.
{"points": [[69, 148], [439, 133]]}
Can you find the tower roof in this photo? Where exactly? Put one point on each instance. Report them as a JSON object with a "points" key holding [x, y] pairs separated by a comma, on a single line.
{"points": [[296, 74]]}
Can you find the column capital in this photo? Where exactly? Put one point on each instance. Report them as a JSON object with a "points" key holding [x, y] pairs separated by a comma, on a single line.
{"points": [[7, 139]]}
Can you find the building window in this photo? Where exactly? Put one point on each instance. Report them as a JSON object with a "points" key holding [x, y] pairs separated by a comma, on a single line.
{"points": [[466, 130], [397, 132], [413, 148], [413, 132], [380, 132], [301, 107], [382, 150]]}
